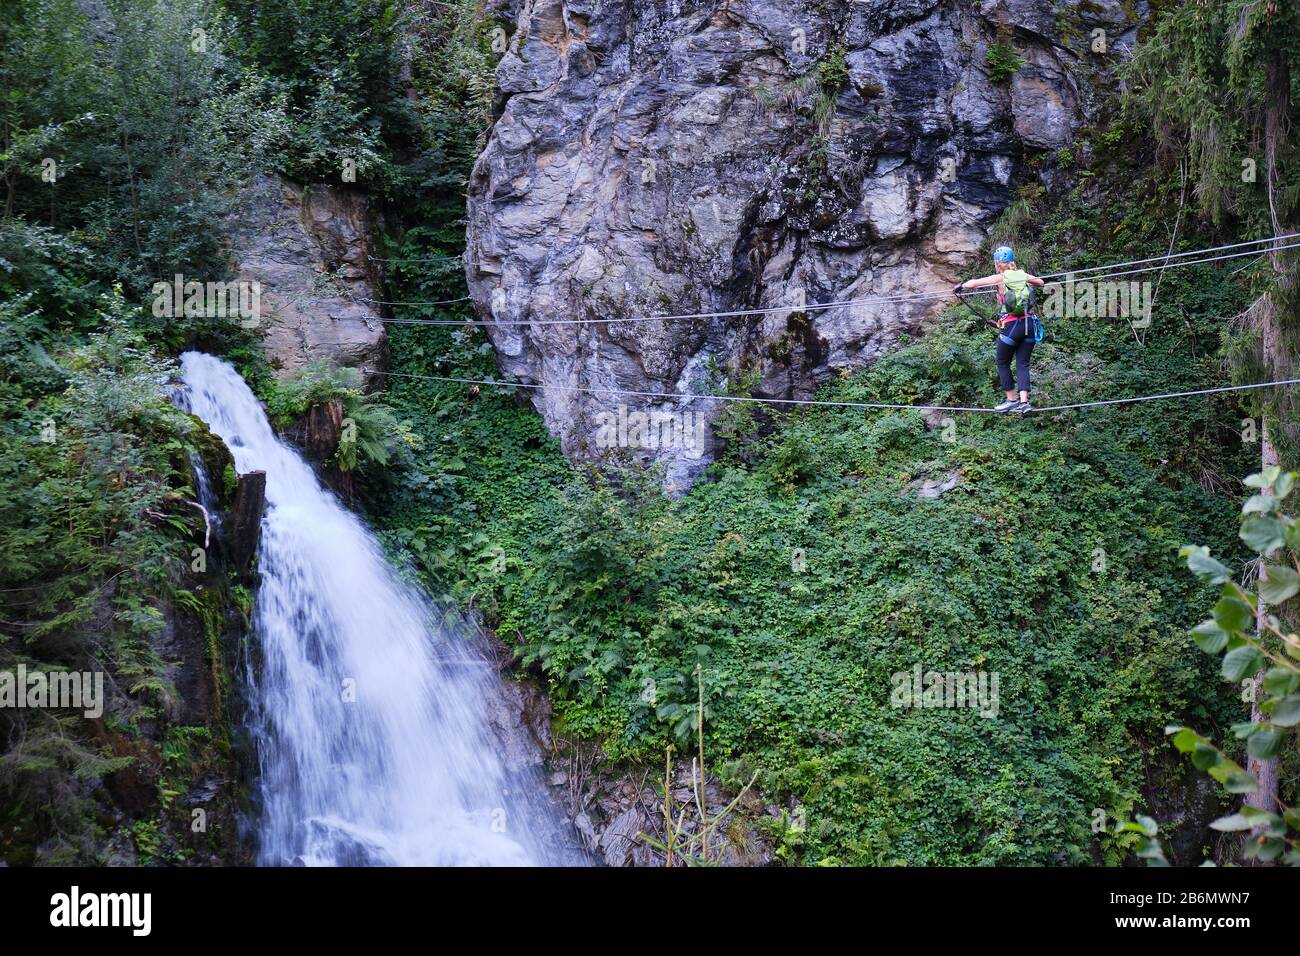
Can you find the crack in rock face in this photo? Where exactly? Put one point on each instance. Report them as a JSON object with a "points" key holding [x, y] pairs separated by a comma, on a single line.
{"points": [[661, 157]]}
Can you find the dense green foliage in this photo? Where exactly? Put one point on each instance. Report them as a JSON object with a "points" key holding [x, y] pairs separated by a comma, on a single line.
{"points": [[397, 90], [95, 527], [146, 136], [1217, 82], [124, 133], [1203, 78], [127, 128]]}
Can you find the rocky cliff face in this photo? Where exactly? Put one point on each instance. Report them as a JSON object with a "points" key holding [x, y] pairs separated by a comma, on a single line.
{"points": [[661, 157], [308, 249]]}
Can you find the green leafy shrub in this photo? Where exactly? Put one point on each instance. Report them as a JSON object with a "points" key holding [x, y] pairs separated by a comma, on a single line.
{"points": [[94, 527], [1252, 628], [371, 433], [1003, 61]]}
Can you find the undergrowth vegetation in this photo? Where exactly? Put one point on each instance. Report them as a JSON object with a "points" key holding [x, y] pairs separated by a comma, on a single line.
{"points": [[96, 525]]}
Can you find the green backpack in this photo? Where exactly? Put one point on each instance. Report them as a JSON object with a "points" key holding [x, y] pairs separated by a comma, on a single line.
{"points": [[1019, 297]]}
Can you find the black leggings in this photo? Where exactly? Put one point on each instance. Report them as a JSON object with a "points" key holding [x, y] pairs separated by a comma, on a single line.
{"points": [[1021, 345]]}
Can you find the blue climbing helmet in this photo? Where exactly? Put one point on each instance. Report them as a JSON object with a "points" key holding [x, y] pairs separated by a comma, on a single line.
{"points": [[1004, 254]]}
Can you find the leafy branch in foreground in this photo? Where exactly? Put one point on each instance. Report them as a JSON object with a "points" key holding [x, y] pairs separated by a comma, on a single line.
{"points": [[1148, 840], [1253, 642]]}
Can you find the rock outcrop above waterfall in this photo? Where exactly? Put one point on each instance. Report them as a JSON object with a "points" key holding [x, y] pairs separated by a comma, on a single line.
{"points": [[309, 249], [656, 158]]}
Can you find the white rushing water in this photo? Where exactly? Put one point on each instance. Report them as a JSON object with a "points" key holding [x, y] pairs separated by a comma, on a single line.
{"points": [[368, 709]]}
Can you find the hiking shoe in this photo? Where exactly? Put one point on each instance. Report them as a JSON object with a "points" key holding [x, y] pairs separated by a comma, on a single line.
{"points": [[1023, 407], [1006, 406]]}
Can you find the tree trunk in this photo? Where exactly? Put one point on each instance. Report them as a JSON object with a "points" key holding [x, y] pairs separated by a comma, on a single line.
{"points": [[246, 524], [1276, 123], [1264, 771], [323, 427]]}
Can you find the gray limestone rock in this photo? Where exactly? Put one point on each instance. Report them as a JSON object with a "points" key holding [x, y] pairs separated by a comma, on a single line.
{"points": [[308, 248], [667, 157]]}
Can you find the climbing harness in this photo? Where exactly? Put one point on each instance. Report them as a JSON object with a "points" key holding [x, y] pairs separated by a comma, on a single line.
{"points": [[1015, 303], [1033, 327]]}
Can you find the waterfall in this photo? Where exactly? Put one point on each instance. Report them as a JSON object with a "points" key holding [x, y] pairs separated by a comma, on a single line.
{"points": [[369, 705]]}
